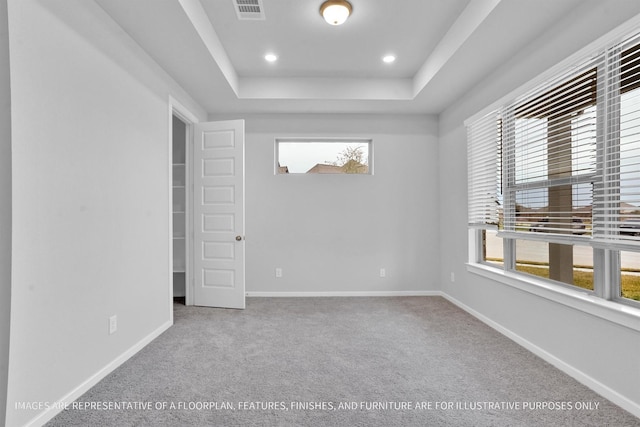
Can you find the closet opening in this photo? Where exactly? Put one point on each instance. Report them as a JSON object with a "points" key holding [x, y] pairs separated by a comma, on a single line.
{"points": [[179, 208]]}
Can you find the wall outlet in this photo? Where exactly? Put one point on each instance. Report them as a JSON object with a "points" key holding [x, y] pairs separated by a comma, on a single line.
{"points": [[383, 272], [453, 277], [113, 324], [278, 272]]}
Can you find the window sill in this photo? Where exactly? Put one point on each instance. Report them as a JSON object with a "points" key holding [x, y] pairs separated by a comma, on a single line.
{"points": [[614, 312]]}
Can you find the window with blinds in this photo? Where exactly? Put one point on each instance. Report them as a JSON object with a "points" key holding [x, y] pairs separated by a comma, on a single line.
{"points": [[555, 170], [550, 157], [484, 159], [561, 163], [617, 199]]}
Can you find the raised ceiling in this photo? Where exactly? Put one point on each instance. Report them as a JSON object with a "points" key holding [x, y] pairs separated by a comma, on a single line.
{"points": [[308, 47], [443, 48]]}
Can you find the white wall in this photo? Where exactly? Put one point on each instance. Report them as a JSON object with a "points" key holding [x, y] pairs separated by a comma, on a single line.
{"points": [[333, 233], [598, 350], [91, 206], [5, 206], [91, 150]]}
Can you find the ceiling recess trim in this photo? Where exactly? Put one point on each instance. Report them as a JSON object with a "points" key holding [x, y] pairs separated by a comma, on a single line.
{"points": [[249, 9]]}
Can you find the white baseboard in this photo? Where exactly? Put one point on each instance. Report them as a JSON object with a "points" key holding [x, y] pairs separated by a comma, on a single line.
{"points": [[344, 294], [598, 387], [56, 408], [576, 374]]}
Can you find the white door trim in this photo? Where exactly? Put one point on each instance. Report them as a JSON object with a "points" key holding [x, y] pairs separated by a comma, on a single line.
{"points": [[178, 110]]}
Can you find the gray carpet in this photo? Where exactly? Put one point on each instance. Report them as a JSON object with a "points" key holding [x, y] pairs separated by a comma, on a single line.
{"points": [[288, 357]]}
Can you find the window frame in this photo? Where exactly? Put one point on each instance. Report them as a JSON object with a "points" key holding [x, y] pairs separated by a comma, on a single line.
{"points": [[307, 139], [625, 313], [606, 299]]}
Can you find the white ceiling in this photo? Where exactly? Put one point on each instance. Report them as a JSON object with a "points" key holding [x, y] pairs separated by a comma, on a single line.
{"points": [[308, 47], [443, 48]]}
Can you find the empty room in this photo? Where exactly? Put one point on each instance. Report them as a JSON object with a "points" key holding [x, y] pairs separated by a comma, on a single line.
{"points": [[309, 212]]}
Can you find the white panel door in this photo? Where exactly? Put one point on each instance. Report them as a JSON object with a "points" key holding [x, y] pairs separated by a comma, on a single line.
{"points": [[218, 220]]}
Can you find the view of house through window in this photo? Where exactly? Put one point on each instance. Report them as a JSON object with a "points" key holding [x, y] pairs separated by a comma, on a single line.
{"points": [[557, 172], [323, 156], [629, 174]]}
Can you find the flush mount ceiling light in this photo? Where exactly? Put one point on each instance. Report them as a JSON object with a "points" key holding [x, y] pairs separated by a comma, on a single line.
{"points": [[335, 12], [270, 57], [389, 58]]}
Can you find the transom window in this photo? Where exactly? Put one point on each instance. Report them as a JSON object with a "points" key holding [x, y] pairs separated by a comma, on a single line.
{"points": [[323, 156]]}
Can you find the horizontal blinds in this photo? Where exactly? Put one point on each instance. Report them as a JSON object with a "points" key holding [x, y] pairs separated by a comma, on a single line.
{"points": [[571, 156], [617, 199], [483, 154], [551, 148], [566, 96]]}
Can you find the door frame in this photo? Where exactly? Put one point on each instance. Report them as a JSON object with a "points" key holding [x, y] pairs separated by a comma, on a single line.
{"points": [[178, 110]]}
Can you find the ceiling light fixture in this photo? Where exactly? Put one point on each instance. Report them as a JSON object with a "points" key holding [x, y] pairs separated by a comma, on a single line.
{"points": [[335, 12], [270, 57], [388, 58]]}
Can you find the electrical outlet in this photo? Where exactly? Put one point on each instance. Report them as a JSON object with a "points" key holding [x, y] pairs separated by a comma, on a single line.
{"points": [[113, 324], [383, 272], [453, 277], [278, 272]]}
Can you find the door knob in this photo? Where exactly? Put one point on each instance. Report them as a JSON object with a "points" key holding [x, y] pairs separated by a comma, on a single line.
{"points": [[238, 238]]}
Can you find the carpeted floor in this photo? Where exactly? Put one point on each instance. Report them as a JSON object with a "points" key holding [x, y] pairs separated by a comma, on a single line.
{"points": [[401, 361]]}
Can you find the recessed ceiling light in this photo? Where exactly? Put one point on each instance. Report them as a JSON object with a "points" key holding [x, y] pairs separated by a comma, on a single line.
{"points": [[389, 58], [270, 57]]}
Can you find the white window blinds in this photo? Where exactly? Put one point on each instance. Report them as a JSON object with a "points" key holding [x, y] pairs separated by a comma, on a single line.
{"points": [[569, 150], [617, 199], [550, 157], [483, 154]]}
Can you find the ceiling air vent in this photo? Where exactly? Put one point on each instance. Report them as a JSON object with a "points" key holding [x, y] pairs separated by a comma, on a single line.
{"points": [[249, 9]]}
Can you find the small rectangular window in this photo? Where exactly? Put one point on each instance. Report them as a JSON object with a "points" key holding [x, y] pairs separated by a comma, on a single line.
{"points": [[323, 156]]}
